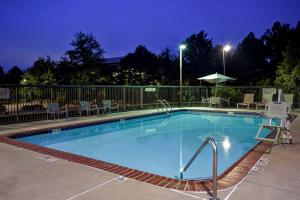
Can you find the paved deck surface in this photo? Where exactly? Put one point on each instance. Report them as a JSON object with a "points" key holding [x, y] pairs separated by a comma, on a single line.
{"points": [[25, 174]]}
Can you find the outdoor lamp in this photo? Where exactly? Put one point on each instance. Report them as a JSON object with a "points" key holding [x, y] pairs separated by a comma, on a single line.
{"points": [[181, 47], [226, 48]]}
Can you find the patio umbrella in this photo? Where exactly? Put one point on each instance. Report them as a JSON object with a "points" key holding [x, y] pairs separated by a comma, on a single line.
{"points": [[215, 79]]}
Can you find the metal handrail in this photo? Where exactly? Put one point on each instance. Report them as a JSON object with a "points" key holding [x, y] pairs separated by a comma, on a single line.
{"points": [[215, 164], [160, 101], [167, 103]]}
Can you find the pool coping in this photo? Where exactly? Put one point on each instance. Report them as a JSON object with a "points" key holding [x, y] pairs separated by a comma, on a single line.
{"points": [[229, 178]]}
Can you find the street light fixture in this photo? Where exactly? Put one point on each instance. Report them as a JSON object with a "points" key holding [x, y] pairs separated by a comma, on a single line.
{"points": [[225, 49], [181, 48]]}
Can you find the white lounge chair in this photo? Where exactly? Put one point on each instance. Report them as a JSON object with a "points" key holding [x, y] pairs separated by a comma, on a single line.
{"points": [[289, 98], [214, 101], [266, 98], [85, 106], [54, 109], [204, 101], [248, 99], [272, 111], [107, 106]]}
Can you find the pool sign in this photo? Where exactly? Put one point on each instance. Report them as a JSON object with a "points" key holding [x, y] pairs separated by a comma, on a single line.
{"points": [[150, 89], [4, 93]]}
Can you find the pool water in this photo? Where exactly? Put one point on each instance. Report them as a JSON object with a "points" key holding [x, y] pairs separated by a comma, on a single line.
{"points": [[161, 144]]}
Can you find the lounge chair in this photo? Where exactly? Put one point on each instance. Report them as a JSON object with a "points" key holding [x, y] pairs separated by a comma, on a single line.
{"points": [[107, 106], [289, 98], [274, 110], [214, 101], [86, 106], [248, 99], [266, 98], [54, 109]]}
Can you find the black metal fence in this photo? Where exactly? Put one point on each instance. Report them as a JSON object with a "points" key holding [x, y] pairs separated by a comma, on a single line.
{"points": [[19, 103]]}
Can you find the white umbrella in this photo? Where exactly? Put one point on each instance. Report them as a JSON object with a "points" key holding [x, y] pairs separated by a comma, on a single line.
{"points": [[216, 78]]}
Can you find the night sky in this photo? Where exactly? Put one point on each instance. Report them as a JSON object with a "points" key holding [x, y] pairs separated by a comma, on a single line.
{"points": [[33, 28]]}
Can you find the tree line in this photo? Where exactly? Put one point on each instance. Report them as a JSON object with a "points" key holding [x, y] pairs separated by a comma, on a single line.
{"points": [[272, 59]]}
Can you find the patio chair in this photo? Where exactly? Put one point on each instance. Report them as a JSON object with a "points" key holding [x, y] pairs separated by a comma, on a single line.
{"points": [[54, 109], [274, 110], [107, 106], [266, 98], [226, 101], [248, 99], [86, 106], [204, 101], [214, 101]]}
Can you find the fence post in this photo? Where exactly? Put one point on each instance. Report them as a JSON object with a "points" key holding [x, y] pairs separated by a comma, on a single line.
{"points": [[79, 94], [157, 96], [189, 96], [141, 97], [124, 98], [17, 101]]}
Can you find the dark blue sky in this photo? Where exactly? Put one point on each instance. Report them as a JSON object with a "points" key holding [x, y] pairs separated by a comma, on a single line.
{"points": [[33, 28]]}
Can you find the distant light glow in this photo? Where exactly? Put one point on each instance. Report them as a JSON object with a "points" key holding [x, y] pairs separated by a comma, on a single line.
{"points": [[226, 144], [182, 46], [227, 48]]}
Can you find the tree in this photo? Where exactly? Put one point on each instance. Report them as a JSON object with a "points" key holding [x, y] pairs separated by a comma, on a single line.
{"points": [[1, 74], [14, 75], [86, 52], [217, 60], [248, 61], [64, 71], [81, 62], [138, 67], [168, 70], [42, 72], [288, 71], [198, 57], [276, 40]]}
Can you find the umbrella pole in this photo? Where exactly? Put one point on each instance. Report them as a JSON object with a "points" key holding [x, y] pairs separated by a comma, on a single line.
{"points": [[216, 90]]}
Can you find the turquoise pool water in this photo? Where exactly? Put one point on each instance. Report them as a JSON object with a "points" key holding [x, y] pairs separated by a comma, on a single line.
{"points": [[161, 144]]}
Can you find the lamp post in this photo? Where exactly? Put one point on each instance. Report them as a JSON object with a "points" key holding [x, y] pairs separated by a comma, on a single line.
{"points": [[225, 49], [181, 48]]}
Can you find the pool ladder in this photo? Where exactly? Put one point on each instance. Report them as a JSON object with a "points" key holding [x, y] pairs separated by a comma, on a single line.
{"points": [[166, 105], [215, 165]]}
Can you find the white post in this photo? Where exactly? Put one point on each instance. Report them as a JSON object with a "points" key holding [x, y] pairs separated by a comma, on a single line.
{"points": [[223, 61], [180, 75], [181, 47], [280, 95]]}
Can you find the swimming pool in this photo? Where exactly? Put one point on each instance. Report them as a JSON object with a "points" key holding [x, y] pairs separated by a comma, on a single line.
{"points": [[160, 144]]}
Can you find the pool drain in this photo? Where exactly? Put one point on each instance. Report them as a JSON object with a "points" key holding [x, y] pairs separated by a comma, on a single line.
{"points": [[122, 178]]}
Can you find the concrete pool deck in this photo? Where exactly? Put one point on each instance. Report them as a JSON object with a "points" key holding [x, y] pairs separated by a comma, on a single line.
{"points": [[28, 175]]}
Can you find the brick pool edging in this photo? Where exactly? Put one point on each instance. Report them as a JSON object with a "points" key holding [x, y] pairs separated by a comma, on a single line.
{"points": [[229, 178]]}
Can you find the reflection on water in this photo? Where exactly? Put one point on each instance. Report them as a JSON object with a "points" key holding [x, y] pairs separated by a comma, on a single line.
{"points": [[226, 144]]}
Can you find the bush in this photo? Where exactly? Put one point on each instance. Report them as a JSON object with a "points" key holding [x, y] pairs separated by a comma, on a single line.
{"points": [[35, 107], [225, 92]]}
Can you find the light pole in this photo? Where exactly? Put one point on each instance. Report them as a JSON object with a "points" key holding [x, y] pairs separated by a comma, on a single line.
{"points": [[225, 49], [181, 48]]}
